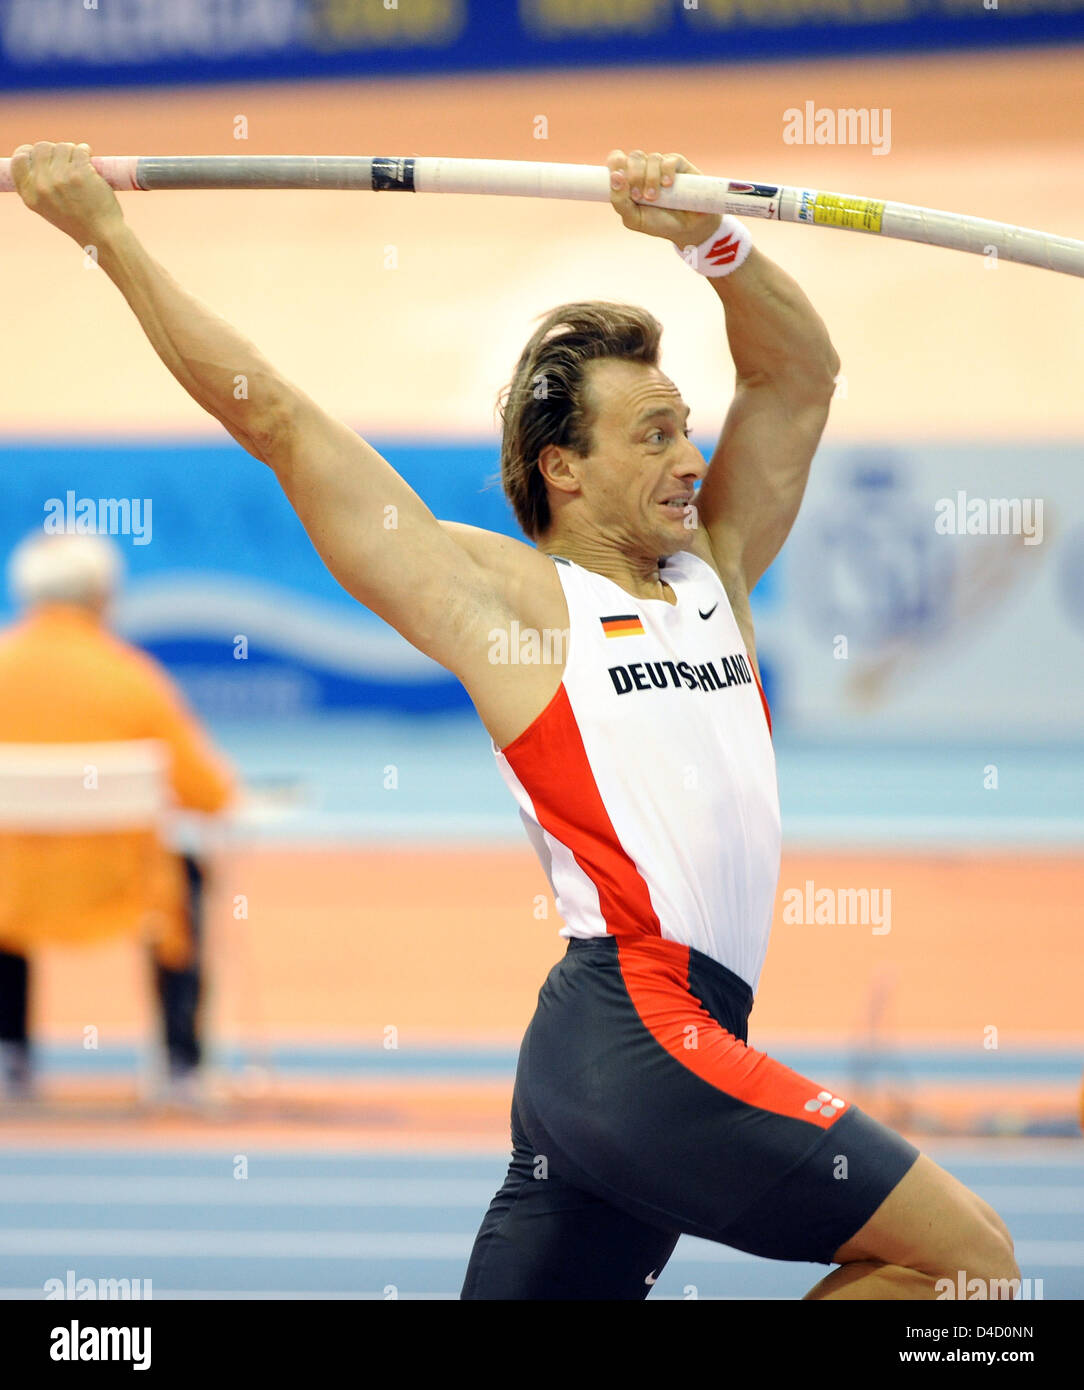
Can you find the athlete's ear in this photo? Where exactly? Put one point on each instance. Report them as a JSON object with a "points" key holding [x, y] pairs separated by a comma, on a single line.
{"points": [[557, 467]]}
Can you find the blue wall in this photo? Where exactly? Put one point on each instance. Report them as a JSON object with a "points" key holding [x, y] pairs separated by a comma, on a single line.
{"points": [[51, 43], [214, 552], [224, 556]]}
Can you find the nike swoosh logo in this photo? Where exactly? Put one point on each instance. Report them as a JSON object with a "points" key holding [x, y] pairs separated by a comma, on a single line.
{"points": [[710, 611], [652, 1277]]}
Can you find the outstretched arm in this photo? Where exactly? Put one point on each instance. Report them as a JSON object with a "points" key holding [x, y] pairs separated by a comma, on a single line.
{"points": [[375, 534], [786, 368]]}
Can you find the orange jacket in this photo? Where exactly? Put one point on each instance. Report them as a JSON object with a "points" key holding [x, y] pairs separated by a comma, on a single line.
{"points": [[64, 678]]}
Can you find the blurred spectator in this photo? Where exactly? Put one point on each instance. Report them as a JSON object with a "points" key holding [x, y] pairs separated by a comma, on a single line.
{"points": [[65, 678]]}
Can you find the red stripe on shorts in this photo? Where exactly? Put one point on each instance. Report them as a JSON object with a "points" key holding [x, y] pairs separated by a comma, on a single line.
{"points": [[656, 975]]}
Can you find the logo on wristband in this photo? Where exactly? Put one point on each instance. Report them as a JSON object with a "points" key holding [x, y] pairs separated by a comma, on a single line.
{"points": [[723, 251]]}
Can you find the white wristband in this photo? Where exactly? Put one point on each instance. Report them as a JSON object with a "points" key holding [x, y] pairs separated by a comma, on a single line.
{"points": [[723, 252]]}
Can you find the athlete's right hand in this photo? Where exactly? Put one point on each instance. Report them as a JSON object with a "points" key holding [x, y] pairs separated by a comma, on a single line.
{"points": [[59, 183]]}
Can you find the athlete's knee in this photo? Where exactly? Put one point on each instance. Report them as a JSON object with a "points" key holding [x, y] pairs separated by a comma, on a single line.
{"points": [[997, 1260], [991, 1216], [931, 1223], [986, 1252], [1005, 1256]]}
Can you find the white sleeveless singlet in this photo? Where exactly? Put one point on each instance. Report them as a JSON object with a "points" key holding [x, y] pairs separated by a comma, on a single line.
{"points": [[648, 783]]}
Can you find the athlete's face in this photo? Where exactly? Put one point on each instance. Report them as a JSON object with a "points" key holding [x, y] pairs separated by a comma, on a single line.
{"points": [[638, 482]]}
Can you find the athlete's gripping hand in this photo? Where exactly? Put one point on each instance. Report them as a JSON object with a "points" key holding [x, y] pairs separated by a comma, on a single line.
{"points": [[59, 183], [636, 179]]}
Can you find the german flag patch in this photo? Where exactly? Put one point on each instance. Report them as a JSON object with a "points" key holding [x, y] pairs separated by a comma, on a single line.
{"points": [[622, 625]]}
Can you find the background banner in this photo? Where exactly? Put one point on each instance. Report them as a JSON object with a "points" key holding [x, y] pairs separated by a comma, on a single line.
{"points": [[927, 591], [53, 43]]}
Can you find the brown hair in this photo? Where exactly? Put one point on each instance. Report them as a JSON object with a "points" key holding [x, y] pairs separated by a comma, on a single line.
{"points": [[545, 402]]}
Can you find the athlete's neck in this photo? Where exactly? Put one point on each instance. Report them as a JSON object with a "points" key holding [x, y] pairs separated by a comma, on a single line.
{"points": [[638, 575]]}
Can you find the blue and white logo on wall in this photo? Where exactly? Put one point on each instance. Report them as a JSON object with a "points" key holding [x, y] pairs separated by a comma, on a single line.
{"points": [[934, 591], [868, 566]]}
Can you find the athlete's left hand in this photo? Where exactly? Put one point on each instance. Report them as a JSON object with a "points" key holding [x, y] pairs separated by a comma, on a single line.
{"points": [[59, 183], [636, 179]]}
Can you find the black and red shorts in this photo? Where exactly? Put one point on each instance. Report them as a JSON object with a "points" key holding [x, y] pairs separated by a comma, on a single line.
{"points": [[640, 1114]]}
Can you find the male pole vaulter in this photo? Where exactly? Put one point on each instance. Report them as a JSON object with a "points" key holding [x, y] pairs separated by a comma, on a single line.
{"points": [[639, 1110]]}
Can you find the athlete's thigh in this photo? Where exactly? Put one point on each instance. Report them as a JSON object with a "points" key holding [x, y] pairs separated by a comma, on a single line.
{"points": [[544, 1238], [925, 1222], [639, 1096]]}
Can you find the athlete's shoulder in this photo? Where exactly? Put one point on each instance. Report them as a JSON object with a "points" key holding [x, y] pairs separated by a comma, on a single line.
{"points": [[495, 551], [525, 576]]}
